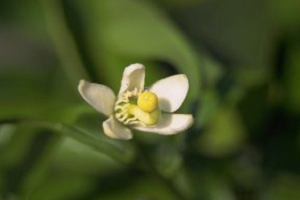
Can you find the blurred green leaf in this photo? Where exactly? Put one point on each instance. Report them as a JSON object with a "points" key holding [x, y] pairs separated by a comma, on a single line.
{"points": [[75, 157], [285, 13], [62, 187], [145, 187], [238, 33], [292, 77], [168, 160], [210, 103], [224, 134], [38, 93], [137, 29], [20, 156], [119, 150], [63, 40], [283, 187], [217, 188], [57, 161]]}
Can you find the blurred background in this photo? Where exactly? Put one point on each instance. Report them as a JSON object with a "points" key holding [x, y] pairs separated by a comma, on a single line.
{"points": [[242, 58]]}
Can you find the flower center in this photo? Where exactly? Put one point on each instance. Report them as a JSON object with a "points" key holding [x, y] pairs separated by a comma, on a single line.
{"points": [[137, 107]]}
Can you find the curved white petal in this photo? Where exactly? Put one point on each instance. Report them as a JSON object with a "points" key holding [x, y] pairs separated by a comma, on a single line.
{"points": [[116, 130], [171, 92], [101, 97], [169, 124], [133, 77]]}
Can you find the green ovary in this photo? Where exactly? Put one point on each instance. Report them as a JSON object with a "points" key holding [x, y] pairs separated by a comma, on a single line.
{"points": [[148, 118]]}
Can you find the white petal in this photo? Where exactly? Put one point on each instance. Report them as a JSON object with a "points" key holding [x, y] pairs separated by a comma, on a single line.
{"points": [[169, 124], [116, 130], [133, 77], [171, 92], [101, 97]]}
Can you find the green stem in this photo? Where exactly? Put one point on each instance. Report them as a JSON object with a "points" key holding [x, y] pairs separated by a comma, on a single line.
{"points": [[109, 148], [145, 159]]}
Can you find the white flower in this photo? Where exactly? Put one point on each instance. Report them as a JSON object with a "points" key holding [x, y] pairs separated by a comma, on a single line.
{"points": [[137, 108]]}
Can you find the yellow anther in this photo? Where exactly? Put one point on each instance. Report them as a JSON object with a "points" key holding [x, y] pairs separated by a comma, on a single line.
{"points": [[147, 101]]}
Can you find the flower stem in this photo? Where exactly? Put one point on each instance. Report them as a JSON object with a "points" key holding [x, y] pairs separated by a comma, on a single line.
{"points": [[117, 153], [145, 159]]}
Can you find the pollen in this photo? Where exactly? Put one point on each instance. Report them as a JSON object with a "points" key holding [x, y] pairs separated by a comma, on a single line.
{"points": [[147, 101]]}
